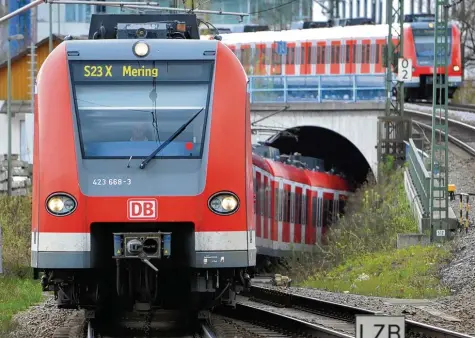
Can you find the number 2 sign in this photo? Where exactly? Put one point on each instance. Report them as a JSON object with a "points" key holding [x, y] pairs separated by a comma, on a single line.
{"points": [[404, 70]]}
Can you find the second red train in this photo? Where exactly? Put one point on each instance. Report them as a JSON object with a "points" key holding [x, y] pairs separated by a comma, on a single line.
{"points": [[295, 201]]}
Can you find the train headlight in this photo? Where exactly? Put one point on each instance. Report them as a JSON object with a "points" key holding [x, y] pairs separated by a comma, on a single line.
{"points": [[223, 203], [141, 49], [456, 68], [60, 204]]}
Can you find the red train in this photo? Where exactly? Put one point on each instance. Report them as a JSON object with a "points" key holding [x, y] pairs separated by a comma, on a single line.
{"points": [[350, 50], [296, 201], [143, 159]]}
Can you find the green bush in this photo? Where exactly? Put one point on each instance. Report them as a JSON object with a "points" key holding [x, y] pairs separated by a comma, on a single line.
{"points": [[374, 215], [15, 220], [404, 273]]}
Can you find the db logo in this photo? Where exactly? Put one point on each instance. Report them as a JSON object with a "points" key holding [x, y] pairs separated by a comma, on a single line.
{"points": [[142, 209]]}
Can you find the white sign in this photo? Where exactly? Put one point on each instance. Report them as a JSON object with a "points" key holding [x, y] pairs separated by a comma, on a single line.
{"points": [[440, 233], [371, 326], [404, 70], [142, 209]]}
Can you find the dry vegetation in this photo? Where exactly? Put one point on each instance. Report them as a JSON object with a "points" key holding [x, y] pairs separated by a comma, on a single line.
{"points": [[360, 254], [17, 290]]}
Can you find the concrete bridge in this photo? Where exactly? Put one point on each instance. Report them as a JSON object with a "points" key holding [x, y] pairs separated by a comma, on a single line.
{"points": [[343, 133]]}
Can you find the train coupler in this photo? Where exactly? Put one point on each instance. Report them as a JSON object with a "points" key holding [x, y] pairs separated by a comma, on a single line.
{"points": [[142, 245]]}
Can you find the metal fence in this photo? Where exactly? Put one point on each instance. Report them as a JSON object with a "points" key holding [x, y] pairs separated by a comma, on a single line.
{"points": [[293, 88], [419, 175]]}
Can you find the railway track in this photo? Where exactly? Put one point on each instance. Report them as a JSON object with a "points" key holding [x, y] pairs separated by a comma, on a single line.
{"points": [[340, 317], [452, 106], [461, 134]]}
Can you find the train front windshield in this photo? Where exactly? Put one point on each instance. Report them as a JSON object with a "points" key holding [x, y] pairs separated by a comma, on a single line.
{"points": [[128, 108], [424, 44]]}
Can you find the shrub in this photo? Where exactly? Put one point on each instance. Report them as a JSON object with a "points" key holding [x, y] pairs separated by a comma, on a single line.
{"points": [[15, 220]]}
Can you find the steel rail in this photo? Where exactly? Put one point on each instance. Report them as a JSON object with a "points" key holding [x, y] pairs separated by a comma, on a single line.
{"points": [[345, 312]]}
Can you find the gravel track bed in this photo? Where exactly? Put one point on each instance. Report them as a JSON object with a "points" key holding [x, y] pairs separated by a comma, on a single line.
{"points": [[462, 116], [40, 321]]}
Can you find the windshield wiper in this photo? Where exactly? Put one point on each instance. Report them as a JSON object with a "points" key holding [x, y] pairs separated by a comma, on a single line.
{"points": [[170, 139]]}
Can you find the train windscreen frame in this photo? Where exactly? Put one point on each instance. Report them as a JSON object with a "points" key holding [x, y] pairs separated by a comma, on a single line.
{"points": [[129, 108]]}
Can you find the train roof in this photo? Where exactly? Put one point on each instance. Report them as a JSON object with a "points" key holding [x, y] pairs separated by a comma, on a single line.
{"points": [[300, 175], [329, 33]]}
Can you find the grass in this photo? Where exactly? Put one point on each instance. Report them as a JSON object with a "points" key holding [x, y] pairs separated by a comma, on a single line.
{"points": [[406, 273], [16, 294], [18, 290]]}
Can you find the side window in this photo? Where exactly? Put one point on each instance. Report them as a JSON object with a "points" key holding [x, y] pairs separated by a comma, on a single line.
{"points": [[255, 192], [298, 203], [304, 59], [320, 216], [347, 53], [325, 212], [290, 55], [292, 207], [314, 212], [276, 203], [258, 193]]}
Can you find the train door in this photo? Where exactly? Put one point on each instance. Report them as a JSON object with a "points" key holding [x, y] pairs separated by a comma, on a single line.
{"points": [[276, 61], [335, 57], [292, 217], [246, 57], [254, 177], [260, 59], [327, 212], [290, 59], [267, 207], [305, 58], [278, 215], [284, 232], [321, 57], [306, 196], [298, 198], [365, 59]]}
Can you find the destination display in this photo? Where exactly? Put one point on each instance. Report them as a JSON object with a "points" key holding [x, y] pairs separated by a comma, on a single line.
{"points": [[140, 71]]}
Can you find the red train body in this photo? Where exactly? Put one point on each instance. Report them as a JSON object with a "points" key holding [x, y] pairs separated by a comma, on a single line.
{"points": [[294, 206], [351, 50]]}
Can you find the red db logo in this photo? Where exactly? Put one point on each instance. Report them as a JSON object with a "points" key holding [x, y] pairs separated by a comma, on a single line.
{"points": [[142, 209]]}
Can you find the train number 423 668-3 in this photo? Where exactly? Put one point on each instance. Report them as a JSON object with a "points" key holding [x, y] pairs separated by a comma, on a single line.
{"points": [[111, 181]]}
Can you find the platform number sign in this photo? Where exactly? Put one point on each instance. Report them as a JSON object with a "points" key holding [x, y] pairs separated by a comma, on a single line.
{"points": [[404, 70], [281, 47], [373, 326]]}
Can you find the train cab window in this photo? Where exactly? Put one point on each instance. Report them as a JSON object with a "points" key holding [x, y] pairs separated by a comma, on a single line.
{"points": [[114, 113]]}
